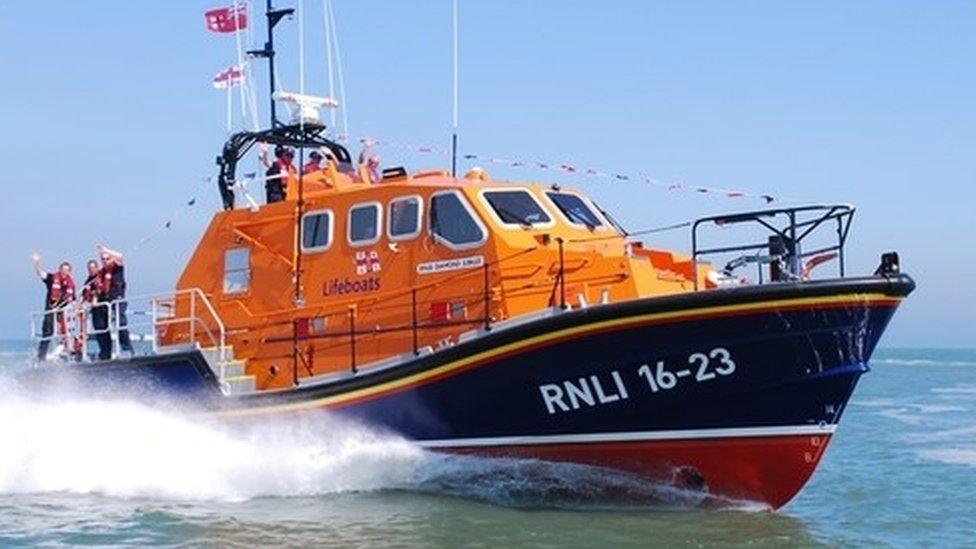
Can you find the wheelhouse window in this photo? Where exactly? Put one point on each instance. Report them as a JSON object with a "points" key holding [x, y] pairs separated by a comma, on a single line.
{"points": [[237, 270], [316, 231], [516, 207], [404, 218], [453, 223], [364, 224], [575, 209]]}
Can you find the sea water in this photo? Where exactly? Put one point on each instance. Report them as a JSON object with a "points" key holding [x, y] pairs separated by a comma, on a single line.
{"points": [[900, 471]]}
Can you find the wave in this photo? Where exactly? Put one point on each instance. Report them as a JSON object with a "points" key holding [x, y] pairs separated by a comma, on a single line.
{"points": [[903, 415], [937, 408], [954, 433], [951, 456], [922, 362], [956, 390]]}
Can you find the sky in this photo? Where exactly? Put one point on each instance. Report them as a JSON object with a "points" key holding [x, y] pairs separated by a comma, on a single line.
{"points": [[111, 122]]}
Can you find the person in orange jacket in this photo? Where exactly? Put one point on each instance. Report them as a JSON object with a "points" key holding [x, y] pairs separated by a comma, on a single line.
{"points": [[60, 292]]}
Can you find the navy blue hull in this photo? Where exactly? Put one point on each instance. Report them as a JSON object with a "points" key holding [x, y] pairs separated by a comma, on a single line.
{"points": [[183, 376], [790, 368]]}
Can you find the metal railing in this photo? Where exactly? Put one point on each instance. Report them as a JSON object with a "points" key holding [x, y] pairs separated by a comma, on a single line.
{"points": [[164, 313], [346, 329], [786, 230], [189, 318], [76, 323]]}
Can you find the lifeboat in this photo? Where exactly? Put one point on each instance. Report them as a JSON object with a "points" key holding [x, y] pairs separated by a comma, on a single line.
{"points": [[515, 319]]}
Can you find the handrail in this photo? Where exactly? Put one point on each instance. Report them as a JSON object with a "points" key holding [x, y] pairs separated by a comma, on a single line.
{"points": [[194, 308], [392, 295], [213, 328], [222, 353], [790, 234]]}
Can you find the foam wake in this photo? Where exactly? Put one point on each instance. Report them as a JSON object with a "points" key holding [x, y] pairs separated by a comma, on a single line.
{"points": [[125, 449]]}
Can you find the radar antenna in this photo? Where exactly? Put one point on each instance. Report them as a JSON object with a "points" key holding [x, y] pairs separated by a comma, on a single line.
{"points": [[304, 108]]}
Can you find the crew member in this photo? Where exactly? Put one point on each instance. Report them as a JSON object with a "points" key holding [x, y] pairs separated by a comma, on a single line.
{"points": [[369, 166], [276, 178], [314, 163], [113, 293], [99, 312], [477, 174], [60, 292]]}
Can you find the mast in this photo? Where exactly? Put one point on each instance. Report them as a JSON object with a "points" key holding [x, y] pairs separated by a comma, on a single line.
{"points": [[274, 16]]}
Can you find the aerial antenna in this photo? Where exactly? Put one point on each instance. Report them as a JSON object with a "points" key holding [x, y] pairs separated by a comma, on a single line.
{"points": [[301, 48], [326, 8], [454, 124], [341, 80]]}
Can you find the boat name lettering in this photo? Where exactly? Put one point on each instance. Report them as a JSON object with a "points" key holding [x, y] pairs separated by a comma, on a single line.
{"points": [[594, 390], [339, 286], [432, 267], [573, 394]]}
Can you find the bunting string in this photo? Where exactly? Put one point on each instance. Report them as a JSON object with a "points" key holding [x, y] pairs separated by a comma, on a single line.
{"points": [[560, 167], [571, 168], [165, 225]]}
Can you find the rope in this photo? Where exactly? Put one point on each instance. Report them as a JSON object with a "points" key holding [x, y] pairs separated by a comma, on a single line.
{"points": [[661, 229], [631, 234]]}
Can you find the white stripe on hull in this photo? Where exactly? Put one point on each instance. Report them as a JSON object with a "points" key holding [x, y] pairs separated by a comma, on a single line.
{"points": [[633, 436]]}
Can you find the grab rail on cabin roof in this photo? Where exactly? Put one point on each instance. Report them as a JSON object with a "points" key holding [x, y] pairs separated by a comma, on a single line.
{"points": [[786, 230]]}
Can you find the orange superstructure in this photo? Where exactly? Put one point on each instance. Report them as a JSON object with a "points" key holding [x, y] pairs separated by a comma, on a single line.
{"points": [[407, 264]]}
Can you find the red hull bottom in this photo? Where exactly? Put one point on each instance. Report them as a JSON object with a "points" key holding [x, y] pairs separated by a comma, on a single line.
{"points": [[766, 469]]}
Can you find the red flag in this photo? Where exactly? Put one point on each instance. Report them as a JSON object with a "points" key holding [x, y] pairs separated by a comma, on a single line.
{"points": [[227, 19], [230, 77]]}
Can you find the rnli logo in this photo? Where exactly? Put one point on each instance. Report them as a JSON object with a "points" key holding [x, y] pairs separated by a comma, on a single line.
{"points": [[367, 262]]}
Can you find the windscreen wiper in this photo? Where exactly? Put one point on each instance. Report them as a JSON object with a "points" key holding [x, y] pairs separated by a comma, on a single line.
{"points": [[525, 223], [582, 219]]}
